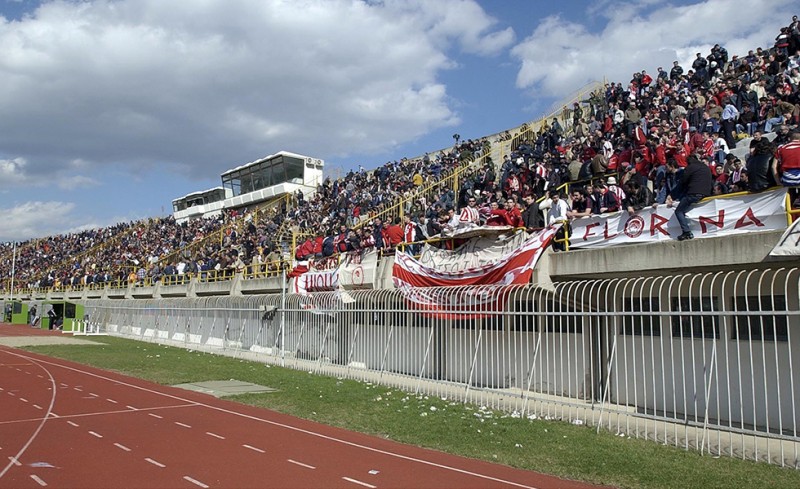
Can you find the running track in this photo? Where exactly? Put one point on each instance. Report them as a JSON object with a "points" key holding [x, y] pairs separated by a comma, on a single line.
{"points": [[67, 425]]}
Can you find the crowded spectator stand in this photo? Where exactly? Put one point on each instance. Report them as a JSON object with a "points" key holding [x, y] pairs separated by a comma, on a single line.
{"points": [[618, 147]]}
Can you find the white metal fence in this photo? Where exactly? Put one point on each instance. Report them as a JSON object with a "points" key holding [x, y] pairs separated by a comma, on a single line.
{"points": [[703, 361]]}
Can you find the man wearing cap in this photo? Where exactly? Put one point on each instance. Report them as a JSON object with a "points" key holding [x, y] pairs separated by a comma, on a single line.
{"points": [[697, 183], [786, 166], [611, 196]]}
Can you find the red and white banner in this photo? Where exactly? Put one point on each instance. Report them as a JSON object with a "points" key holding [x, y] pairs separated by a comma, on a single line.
{"points": [[789, 244], [358, 270], [713, 217], [311, 281], [315, 276], [421, 285], [477, 252]]}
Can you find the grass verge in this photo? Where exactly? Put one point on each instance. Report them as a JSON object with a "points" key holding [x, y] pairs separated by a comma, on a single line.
{"points": [[561, 449]]}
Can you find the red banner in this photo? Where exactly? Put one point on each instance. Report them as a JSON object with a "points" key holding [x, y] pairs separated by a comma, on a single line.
{"points": [[420, 284]]}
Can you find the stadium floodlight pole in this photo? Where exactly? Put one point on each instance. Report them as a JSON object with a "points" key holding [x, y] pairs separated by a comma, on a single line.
{"points": [[13, 268]]}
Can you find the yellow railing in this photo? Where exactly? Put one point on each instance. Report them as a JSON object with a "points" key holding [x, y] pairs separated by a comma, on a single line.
{"points": [[528, 131], [212, 276], [564, 188], [265, 270], [791, 214], [218, 235], [268, 209], [453, 178], [102, 245]]}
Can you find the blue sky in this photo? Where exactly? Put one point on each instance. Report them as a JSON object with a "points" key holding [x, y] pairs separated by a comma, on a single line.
{"points": [[111, 109]]}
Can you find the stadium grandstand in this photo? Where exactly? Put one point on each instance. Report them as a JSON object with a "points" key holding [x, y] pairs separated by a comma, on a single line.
{"points": [[641, 227]]}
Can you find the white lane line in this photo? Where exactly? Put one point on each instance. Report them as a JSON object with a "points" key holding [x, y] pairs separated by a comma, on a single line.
{"points": [[37, 406], [54, 415], [63, 385], [1, 389], [98, 435], [27, 372], [254, 449], [23, 399], [38, 480], [195, 482], [155, 415], [182, 424], [112, 401], [11, 393], [289, 427], [99, 413], [131, 408], [93, 394], [158, 464], [39, 376], [121, 446], [301, 464], [78, 389], [358, 482], [220, 437], [15, 461], [73, 424]]}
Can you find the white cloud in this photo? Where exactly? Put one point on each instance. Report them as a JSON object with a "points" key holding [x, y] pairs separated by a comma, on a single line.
{"points": [[205, 85], [36, 218], [561, 55], [76, 181], [12, 172]]}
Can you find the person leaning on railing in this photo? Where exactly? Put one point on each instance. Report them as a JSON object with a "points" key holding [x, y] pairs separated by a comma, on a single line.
{"points": [[558, 214]]}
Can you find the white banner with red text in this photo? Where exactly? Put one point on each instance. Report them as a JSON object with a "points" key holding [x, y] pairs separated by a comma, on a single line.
{"points": [[358, 270], [720, 216]]}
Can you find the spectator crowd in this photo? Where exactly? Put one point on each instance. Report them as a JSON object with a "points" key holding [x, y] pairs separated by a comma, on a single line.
{"points": [[625, 147]]}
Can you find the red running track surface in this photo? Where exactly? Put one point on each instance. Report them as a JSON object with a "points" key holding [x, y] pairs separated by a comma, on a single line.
{"points": [[64, 425]]}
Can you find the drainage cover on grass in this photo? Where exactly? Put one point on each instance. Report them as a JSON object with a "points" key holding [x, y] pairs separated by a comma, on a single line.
{"points": [[222, 388]]}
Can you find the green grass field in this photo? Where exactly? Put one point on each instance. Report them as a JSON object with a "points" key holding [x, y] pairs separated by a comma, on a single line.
{"points": [[562, 449]]}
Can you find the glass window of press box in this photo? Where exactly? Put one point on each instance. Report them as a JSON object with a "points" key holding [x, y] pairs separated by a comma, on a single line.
{"points": [[200, 198], [263, 174]]}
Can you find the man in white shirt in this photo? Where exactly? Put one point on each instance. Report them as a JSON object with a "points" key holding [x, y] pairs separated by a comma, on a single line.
{"points": [[558, 215], [558, 209]]}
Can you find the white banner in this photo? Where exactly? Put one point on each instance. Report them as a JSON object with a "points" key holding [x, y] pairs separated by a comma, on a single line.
{"points": [[358, 270], [713, 217], [789, 244], [312, 281], [475, 253]]}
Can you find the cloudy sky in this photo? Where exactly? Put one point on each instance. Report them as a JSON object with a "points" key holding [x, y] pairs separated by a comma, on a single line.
{"points": [[111, 109]]}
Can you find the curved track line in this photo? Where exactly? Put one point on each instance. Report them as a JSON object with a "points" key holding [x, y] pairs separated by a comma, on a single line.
{"points": [[44, 419], [293, 428]]}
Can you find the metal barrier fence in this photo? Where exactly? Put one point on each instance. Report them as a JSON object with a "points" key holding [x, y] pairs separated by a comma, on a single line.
{"points": [[703, 361]]}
